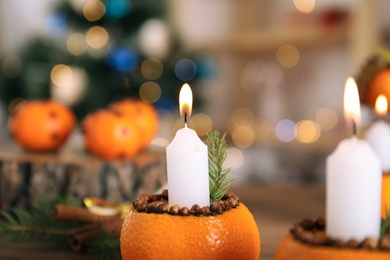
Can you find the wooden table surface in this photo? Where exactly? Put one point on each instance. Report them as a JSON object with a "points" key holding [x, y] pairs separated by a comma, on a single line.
{"points": [[275, 210]]}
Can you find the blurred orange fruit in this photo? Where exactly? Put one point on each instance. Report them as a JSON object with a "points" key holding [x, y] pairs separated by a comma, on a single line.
{"points": [[144, 114], [380, 84], [39, 125], [385, 195], [231, 235], [111, 135], [289, 248]]}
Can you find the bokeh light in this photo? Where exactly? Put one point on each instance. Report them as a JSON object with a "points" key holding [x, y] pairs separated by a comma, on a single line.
{"points": [[242, 116], [71, 85], [61, 75], [243, 136], [381, 107], [55, 25], [286, 130], [11, 67], [14, 104], [152, 68], [97, 37], [308, 131], [201, 123], [288, 56], [305, 6], [76, 44], [205, 64], [150, 92], [94, 10], [117, 9], [122, 59], [185, 69], [167, 102], [327, 118], [154, 38], [234, 158]]}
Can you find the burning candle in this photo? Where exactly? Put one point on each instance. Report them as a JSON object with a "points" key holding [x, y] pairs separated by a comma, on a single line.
{"points": [[187, 162], [353, 181], [378, 135]]}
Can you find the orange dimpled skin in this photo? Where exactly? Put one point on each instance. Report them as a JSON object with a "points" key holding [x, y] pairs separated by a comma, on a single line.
{"points": [[41, 125], [111, 135], [144, 114], [380, 84], [385, 195], [231, 235], [291, 249]]}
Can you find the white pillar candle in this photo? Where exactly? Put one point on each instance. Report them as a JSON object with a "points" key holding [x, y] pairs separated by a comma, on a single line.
{"points": [[378, 135], [353, 191], [187, 163], [353, 182]]}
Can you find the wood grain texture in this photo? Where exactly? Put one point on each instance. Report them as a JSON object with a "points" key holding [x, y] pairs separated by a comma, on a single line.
{"points": [[26, 177]]}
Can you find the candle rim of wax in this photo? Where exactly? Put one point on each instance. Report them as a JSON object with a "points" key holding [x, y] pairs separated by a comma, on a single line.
{"points": [[183, 131]]}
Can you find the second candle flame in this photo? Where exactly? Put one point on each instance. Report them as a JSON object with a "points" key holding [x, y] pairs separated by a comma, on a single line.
{"points": [[381, 105], [185, 102]]}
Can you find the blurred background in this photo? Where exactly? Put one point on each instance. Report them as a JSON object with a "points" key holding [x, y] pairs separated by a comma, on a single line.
{"points": [[270, 74]]}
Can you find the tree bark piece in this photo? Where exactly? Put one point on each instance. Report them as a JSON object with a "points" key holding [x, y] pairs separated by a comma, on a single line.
{"points": [[26, 177]]}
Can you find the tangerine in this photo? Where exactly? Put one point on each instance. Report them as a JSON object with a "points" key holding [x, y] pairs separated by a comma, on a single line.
{"points": [[40, 125], [144, 114], [290, 249], [380, 84], [385, 195], [111, 135], [230, 235]]}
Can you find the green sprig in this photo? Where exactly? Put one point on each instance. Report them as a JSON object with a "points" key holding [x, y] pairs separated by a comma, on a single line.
{"points": [[385, 226], [105, 246], [218, 176], [24, 226]]}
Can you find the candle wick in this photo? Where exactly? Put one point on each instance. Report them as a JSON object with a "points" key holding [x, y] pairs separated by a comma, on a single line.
{"points": [[185, 118], [354, 128]]}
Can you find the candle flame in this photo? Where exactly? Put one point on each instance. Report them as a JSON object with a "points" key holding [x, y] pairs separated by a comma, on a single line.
{"points": [[351, 102], [185, 101], [381, 105]]}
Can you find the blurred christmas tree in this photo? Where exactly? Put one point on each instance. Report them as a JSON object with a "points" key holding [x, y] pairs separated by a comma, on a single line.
{"points": [[93, 52]]}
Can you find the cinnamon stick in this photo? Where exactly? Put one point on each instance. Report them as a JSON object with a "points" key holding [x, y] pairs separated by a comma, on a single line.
{"points": [[73, 213], [79, 236]]}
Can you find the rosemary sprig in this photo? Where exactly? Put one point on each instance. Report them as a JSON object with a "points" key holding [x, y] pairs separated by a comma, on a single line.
{"points": [[385, 226], [218, 176]]}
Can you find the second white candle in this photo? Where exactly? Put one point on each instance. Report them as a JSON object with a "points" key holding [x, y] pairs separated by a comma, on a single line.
{"points": [[353, 191], [353, 181]]}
